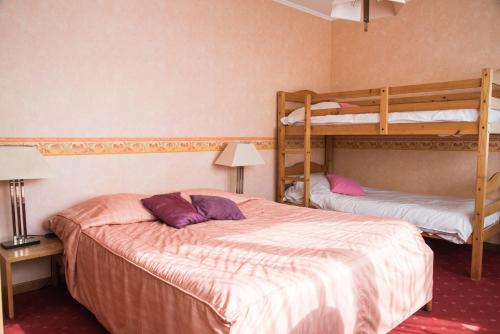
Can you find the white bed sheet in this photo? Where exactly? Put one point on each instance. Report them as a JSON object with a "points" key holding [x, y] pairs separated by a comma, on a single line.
{"points": [[448, 217], [451, 115]]}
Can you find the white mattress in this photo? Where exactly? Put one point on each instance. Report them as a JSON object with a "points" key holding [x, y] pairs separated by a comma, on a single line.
{"points": [[448, 217], [451, 115]]}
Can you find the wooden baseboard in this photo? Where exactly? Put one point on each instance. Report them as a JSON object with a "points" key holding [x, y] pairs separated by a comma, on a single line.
{"points": [[34, 285], [31, 285]]}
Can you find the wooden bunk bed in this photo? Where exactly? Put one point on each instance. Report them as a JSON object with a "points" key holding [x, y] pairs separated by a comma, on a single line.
{"points": [[480, 93]]}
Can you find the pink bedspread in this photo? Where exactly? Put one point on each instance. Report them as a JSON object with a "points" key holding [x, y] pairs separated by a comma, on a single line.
{"points": [[284, 269]]}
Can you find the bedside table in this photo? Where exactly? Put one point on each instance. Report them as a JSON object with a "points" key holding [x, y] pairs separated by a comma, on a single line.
{"points": [[48, 247]]}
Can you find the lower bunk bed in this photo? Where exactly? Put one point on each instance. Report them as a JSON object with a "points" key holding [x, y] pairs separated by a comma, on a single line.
{"points": [[449, 218], [281, 270]]}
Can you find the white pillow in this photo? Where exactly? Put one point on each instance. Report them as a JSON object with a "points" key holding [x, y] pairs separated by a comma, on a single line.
{"points": [[319, 184], [299, 115]]}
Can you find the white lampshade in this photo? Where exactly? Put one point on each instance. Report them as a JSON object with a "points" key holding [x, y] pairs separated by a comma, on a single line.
{"points": [[239, 155], [23, 162], [353, 9]]}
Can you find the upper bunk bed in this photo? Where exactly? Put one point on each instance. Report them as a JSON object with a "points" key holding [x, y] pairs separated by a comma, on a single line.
{"points": [[443, 108], [462, 107]]}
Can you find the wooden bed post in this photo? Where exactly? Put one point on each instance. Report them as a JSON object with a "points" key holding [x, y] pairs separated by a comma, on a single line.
{"points": [[328, 154], [307, 151], [384, 111], [428, 306], [280, 191], [481, 176]]}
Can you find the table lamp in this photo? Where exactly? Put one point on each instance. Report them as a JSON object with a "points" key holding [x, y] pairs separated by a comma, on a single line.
{"points": [[239, 155], [19, 163]]}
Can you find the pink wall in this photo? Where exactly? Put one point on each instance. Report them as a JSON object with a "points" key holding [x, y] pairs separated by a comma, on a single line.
{"points": [[428, 41], [165, 68], [133, 68]]}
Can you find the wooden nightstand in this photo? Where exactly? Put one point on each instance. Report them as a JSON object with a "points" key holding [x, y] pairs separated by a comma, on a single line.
{"points": [[48, 247]]}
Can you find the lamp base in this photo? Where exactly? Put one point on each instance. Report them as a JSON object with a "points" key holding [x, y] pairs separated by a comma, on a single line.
{"points": [[22, 242], [240, 181]]}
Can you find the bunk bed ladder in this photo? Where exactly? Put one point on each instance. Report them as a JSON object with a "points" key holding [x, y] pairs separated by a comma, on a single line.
{"points": [[306, 151], [481, 176]]}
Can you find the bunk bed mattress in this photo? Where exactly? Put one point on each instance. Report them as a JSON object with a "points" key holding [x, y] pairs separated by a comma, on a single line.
{"points": [[448, 217], [429, 116], [282, 270]]}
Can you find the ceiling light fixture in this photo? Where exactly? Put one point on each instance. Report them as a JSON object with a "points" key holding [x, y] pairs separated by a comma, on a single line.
{"points": [[365, 10]]}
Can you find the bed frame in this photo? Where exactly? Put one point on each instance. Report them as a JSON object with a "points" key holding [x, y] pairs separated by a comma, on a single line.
{"points": [[480, 93]]}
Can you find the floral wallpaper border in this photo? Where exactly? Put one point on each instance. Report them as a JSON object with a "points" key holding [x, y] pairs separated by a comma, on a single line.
{"points": [[421, 143], [92, 146]]}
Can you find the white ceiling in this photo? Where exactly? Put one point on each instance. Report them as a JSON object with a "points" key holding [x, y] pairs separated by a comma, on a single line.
{"points": [[321, 8]]}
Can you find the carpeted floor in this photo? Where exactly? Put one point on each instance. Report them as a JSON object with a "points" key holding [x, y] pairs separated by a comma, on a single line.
{"points": [[460, 305]]}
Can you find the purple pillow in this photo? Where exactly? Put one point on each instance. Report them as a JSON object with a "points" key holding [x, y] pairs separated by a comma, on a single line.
{"points": [[218, 208], [173, 210]]}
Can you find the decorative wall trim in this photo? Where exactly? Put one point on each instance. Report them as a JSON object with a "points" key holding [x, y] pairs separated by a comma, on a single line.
{"points": [[421, 143], [298, 143], [91, 146]]}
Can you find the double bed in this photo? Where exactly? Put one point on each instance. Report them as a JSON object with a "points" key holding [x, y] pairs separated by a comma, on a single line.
{"points": [[283, 269]]}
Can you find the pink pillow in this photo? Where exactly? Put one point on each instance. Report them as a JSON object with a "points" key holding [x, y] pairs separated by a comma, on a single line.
{"points": [[347, 105], [345, 185], [104, 210]]}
